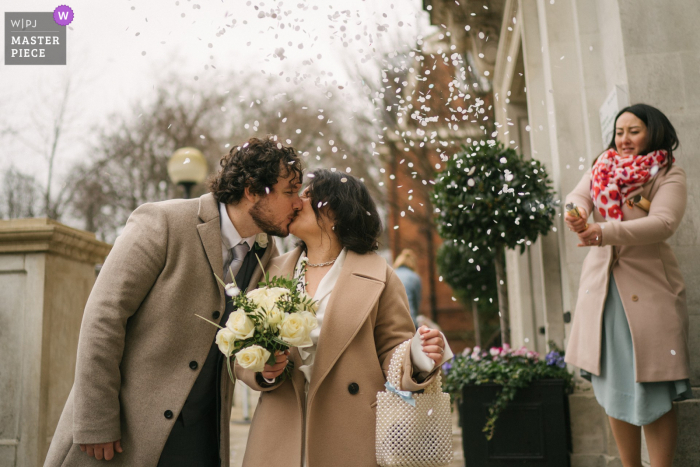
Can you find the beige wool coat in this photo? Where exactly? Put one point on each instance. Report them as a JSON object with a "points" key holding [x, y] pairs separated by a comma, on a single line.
{"points": [[366, 318], [140, 333], [648, 279]]}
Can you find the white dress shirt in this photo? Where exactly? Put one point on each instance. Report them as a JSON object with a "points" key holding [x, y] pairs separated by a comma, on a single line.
{"points": [[230, 236]]}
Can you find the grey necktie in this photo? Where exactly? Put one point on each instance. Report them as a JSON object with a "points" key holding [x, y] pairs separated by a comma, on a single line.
{"points": [[236, 257]]}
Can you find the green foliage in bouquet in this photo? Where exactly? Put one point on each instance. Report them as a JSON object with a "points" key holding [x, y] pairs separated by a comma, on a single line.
{"points": [[503, 366]]}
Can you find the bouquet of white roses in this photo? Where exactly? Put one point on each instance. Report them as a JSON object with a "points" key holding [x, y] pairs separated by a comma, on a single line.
{"points": [[276, 316]]}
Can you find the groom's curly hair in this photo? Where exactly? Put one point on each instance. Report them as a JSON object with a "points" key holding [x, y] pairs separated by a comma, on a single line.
{"points": [[257, 164]]}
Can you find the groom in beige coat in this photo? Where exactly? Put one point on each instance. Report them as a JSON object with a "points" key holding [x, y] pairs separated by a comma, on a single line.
{"points": [[149, 387]]}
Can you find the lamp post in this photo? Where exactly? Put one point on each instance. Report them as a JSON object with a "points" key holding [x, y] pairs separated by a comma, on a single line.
{"points": [[187, 167]]}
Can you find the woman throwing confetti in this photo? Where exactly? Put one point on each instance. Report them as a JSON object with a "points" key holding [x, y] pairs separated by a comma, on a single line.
{"points": [[630, 330]]}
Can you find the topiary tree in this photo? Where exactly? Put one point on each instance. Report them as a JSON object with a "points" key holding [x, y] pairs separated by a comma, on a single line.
{"points": [[489, 197], [471, 273]]}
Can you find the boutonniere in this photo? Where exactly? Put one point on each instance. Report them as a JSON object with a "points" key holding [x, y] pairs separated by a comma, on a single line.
{"points": [[261, 241]]}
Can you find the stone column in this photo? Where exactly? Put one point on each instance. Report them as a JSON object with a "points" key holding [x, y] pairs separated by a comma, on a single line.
{"points": [[46, 273]]}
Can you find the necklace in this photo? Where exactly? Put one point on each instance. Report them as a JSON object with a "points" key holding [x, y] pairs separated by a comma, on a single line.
{"points": [[320, 265]]}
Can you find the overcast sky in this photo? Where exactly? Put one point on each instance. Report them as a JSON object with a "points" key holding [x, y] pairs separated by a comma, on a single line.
{"points": [[119, 50]]}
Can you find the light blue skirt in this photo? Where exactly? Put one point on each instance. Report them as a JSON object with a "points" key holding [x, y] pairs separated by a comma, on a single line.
{"points": [[616, 389]]}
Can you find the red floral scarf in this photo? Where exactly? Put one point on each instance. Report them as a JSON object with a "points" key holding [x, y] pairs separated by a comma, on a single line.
{"points": [[614, 176]]}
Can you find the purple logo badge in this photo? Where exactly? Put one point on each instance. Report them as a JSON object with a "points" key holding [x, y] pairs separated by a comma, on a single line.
{"points": [[63, 15]]}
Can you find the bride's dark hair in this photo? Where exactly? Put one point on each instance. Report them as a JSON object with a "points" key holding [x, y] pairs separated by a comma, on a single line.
{"points": [[356, 221]]}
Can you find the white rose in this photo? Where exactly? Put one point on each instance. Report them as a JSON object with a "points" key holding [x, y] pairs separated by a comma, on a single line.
{"points": [[311, 322], [266, 297], [294, 330], [253, 358], [240, 325], [274, 317], [225, 340]]}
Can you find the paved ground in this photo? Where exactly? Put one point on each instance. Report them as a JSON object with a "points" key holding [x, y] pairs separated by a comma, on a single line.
{"points": [[239, 428]]}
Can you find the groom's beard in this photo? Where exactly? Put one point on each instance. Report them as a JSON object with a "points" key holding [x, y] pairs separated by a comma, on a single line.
{"points": [[264, 220]]}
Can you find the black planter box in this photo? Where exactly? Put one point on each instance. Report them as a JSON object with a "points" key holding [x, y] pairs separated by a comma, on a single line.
{"points": [[533, 430]]}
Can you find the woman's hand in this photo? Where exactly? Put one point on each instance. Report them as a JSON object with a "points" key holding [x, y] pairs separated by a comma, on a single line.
{"points": [[432, 343], [273, 371], [593, 236], [576, 224]]}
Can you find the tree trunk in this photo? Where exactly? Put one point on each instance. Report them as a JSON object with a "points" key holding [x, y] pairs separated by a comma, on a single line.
{"points": [[477, 329], [502, 286]]}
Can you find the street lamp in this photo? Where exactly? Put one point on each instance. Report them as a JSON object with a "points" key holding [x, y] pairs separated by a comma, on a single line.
{"points": [[187, 167]]}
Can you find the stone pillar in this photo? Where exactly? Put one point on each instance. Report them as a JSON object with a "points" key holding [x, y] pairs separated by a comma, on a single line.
{"points": [[46, 273], [534, 278]]}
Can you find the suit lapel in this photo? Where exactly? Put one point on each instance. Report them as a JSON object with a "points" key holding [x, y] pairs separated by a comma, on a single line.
{"points": [[210, 236], [355, 294]]}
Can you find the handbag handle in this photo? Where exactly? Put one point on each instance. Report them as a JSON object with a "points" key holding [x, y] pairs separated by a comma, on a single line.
{"points": [[396, 365]]}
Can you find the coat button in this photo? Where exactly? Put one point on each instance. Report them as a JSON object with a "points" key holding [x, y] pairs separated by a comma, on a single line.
{"points": [[193, 365], [168, 414], [634, 298], [353, 388], [215, 315]]}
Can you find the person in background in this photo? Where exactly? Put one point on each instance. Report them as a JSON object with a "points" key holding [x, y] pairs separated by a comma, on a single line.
{"points": [[405, 268]]}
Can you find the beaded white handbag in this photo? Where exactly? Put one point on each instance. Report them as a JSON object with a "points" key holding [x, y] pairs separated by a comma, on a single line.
{"points": [[412, 429]]}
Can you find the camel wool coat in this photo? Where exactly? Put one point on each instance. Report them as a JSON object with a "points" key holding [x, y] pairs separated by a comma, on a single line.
{"points": [[366, 318], [648, 279], [140, 334]]}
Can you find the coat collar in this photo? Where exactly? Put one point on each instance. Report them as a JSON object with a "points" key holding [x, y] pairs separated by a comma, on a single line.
{"points": [[361, 282], [210, 235], [208, 208]]}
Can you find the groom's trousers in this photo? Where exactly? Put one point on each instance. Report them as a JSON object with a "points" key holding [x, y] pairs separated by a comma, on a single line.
{"points": [[195, 437]]}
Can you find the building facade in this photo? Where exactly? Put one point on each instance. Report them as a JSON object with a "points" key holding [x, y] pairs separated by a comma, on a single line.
{"points": [[560, 70]]}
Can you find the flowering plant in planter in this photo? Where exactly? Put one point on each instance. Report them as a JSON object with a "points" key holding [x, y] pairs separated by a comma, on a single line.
{"points": [[511, 369]]}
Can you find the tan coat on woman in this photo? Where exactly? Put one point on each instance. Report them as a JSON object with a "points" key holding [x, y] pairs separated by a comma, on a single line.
{"points": [[648, 279], [366, 318]]}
